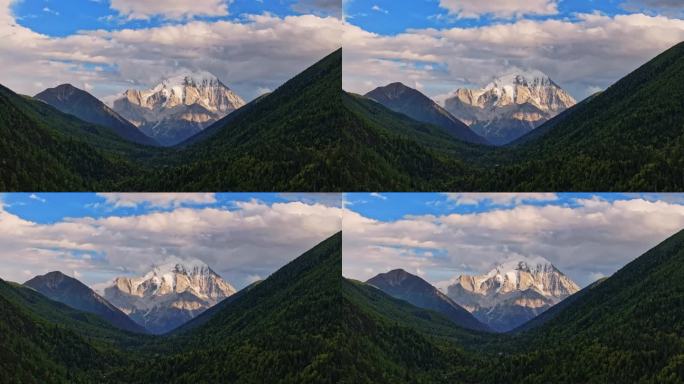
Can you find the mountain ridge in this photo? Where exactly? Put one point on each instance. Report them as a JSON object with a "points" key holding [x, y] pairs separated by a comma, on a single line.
{"points": [[403, 285], [411, 102], [88, 108], [67, 290]]}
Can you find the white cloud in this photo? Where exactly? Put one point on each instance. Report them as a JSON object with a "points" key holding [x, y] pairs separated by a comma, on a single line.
{"points": [[253, 279], [499, 8], [377, 8], [592, 51], [162, 200], [596, 237], [33, 196], [378, 196], [252, 238], [170, 9], [261, 51]]}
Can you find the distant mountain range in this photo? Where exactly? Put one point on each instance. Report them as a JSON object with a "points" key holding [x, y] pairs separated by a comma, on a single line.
{"points": [[169, 295], [178, 107], [510, 106]]}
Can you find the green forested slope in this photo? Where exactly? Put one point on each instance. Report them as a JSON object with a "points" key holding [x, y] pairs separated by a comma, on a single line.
{"points": [[281, 330], [627, 329], [627, 138], [45, 150], [43, 341]]}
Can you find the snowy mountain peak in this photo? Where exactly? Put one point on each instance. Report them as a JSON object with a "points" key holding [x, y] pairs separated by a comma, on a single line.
{"points": [[530, 78], [521, 274], [510, 105], [169, 294], [185, 267], [523, 264], [513, 292], [178, 106], [196, 78]]}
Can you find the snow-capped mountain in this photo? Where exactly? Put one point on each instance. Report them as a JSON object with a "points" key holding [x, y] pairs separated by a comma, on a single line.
{"points": [[168, 295], [513, 292], [178, 107], [509, 106]]}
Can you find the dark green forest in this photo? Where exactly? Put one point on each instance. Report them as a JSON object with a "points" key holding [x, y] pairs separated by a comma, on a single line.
{"points": [[307, 324], [309, 136]]}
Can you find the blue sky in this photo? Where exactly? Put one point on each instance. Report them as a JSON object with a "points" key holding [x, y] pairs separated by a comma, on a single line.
{"points": [[394, 206], [63, 18], [441, 236], [389, 17], [108, 46], [438, 46], [96, 237], [49, 208]]}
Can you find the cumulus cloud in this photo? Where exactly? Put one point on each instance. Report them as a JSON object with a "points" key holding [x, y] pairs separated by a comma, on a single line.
{"points": [[499, 8], [593, 238], [260, 51], [252, 239], [171, 9], [589, 51], [161, 200]]}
